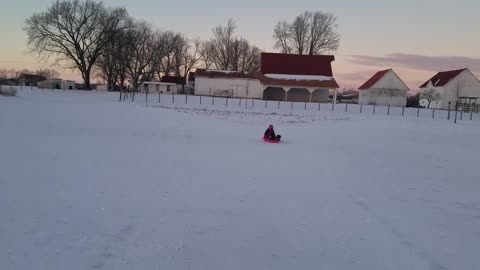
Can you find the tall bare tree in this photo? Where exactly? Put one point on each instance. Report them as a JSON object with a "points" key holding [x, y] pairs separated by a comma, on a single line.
{"points": [[73, 31], [310, 33], [222, 42]]}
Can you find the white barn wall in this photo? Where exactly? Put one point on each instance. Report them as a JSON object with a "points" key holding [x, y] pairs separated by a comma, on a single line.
{"points": [[470, 88], [239, 88], [381, 92]]}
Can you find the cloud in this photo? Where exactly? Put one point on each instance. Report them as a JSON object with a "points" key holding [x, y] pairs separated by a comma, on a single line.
{"points": [[417, 62]]}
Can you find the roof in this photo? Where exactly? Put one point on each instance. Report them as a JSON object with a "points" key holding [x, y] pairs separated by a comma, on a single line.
{"points": [[32, 77], [294, 64], [330, 83], [442, 78], [374, 79], [273, 79], [159, 83], [173, 79], [212, 73]]}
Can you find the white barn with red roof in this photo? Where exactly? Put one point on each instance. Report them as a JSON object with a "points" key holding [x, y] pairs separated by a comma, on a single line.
{"points": [[454, 86], [383, 89], [283, 77]]}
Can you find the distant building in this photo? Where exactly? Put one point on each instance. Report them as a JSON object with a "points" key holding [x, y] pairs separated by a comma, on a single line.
{"points": [[57, 84], [456, 87], [283, 77], [383, 89], [158, 87], [30, 79]]}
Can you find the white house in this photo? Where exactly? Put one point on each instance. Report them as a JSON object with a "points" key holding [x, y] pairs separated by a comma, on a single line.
{"points": [[383, 89], [156, 87], [283, 77], [57, 84], [454, 86]]}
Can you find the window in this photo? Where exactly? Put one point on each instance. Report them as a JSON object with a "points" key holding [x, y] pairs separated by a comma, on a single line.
{"points": [[168, 88]]}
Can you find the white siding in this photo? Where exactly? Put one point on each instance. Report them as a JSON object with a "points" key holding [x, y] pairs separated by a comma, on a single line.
{"points": [[389, 90], [240, 88], [469, 85]]}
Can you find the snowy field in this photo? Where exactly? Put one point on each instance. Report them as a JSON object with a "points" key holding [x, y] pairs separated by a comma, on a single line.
{"points": [[87, 182]]}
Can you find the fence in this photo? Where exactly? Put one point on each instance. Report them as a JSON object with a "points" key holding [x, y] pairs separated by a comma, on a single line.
{"points": [[267, 106]]}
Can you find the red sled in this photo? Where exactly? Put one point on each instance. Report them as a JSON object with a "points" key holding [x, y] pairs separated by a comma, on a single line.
{"points": [[271, 141]]}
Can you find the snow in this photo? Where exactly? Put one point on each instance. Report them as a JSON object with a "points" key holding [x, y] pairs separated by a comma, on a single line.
{"points": [[299, 77], [87, 182]]}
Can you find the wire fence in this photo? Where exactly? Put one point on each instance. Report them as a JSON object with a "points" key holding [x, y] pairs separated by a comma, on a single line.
{"points": [[182, 101], [305, 108]]}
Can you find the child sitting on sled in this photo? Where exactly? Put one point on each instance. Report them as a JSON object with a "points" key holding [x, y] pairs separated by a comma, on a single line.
{"points": [[270, 134]]}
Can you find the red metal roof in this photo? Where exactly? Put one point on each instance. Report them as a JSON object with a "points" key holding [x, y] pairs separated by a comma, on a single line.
{"points": [[374, 79], [294, 64], [442, 78]]}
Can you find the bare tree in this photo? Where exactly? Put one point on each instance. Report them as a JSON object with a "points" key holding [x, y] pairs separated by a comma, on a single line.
{"points": [[48, 73], [73, 31], [430, 95], [207, 54], [227, 52], [222, 42], [310, 33]]}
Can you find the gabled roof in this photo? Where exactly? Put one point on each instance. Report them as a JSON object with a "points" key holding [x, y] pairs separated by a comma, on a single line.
{"points": [[213, 73], [374, 79], [294, 64], [173, 79], [442, 78]]}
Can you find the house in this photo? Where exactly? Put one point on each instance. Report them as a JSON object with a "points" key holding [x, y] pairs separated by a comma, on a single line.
{"points": [[385, 88], [283, 77], [180, 81], [30, 79], [456, 88], [57, 84], [158, 87]]}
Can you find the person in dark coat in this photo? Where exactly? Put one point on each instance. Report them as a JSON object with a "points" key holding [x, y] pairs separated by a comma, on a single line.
{"points": [[270, 134]]}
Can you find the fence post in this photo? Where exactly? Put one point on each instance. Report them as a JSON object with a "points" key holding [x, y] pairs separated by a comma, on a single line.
{"points": [[418, 111], [374, 107], [226, 102], [213, 100], [333, 105], [186, 99], [448, 117], [159, 96], [461, 114], [173, 98], [471, 115], [278, 105], [253, 102], [346, 107], [305, 106], [146, 97], [266, 103], [291, 106], [200, 100], [361, 107], [388, 110], [456, 110], [240, 102], [433, 113], [319, 106], [403, 111]]}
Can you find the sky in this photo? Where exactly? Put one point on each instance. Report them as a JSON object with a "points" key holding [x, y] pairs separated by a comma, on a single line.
{"points": [[416, 38]]}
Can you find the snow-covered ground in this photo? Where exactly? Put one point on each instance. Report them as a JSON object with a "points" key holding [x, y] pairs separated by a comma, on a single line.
{"points": [[87, 182]]}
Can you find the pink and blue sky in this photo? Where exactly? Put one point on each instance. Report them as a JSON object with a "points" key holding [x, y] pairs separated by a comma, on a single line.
{"points": [[416, 38]]}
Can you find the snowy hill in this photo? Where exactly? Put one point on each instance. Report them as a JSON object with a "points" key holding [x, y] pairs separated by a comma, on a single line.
{"points": [[87, 182]]}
